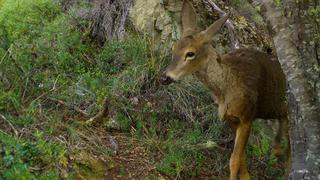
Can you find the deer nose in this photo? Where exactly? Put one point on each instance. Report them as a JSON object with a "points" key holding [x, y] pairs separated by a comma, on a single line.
{"points": [[166, 80]]}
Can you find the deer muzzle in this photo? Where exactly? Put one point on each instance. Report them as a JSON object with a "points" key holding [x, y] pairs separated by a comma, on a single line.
{"points": [[166, 80]]}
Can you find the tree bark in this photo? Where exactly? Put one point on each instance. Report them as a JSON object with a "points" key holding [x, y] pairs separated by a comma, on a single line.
{"points": [[109, 19], [298, 55]]}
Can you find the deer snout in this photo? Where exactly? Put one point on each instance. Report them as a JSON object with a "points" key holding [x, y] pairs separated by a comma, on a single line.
{"points": [[166, 80]]}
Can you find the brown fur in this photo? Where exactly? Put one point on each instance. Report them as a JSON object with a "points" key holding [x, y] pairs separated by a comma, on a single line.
{"points": [[246, 84], [248, 74]]}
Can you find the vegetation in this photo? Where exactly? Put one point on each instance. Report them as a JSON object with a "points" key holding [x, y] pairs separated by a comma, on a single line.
{"points": [[52, 79]]}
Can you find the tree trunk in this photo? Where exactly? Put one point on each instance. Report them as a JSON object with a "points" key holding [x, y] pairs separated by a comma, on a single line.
{"points": [[108, 20], [294, 35]]}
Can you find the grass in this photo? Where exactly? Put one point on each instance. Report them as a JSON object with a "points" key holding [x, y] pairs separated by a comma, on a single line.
{"points": [[48, 67], [22, 157]]}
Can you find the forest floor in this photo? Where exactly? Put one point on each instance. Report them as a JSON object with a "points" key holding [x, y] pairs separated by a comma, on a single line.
{"points": [[104, 153], [128, 158]]}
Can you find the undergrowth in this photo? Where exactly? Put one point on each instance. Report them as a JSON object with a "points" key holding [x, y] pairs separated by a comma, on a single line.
{"points": [[52, 79]]}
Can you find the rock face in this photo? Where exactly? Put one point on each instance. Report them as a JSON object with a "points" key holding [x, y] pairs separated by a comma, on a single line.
{"points": [[160, 19]]}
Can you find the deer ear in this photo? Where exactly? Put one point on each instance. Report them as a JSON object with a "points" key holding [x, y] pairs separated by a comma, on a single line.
{"points": [[214, 28], [188, 19]]}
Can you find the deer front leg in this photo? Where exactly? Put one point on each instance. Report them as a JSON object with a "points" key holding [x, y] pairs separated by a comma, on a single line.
{"points": [[238, 159], [244, 174]]}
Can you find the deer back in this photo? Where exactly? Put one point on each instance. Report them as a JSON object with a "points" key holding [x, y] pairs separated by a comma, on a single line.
{"points": [[251, 75]]}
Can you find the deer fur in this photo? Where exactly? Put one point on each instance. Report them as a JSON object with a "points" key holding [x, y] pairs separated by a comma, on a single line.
{"points": [[245, 83]]}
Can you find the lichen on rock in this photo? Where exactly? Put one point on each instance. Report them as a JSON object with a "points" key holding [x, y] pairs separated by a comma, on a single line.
{"points": [[161, 19], [157, 18]]}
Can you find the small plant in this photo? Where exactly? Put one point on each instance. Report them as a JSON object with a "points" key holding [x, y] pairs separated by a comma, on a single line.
{"points": [[20, 157], [236, 3], [278, 3]]}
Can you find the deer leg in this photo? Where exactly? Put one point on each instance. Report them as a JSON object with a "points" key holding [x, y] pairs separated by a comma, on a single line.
{"points": [[238, 160], [276, 149], [244, 174], [282, 130]]}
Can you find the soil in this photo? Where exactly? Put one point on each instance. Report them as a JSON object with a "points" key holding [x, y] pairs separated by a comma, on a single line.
{"points": [[123, 158]]}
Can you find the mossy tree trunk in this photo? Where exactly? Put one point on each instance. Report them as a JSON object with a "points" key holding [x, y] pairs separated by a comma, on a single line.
{"points": [[295, 31]]}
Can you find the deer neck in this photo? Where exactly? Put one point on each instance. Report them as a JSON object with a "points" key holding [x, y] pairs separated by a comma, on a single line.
{"points": [[212, 76]]}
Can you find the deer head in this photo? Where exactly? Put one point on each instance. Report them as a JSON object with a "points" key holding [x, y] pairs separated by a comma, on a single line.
{"points": [[191, 52]]}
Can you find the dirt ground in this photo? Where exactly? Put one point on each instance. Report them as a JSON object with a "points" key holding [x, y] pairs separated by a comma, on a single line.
{"points": [[112, 155]]}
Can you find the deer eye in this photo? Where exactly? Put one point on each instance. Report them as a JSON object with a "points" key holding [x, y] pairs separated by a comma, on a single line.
{"points": [[190, 55]]}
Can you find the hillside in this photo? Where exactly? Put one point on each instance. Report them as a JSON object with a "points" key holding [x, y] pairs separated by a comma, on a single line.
{"points": [[55, 76]]}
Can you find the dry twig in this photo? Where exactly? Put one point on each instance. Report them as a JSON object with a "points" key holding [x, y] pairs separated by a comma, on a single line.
{"points": [[204, 146], [102, 113], [83, 113], [234, 40], [45, 93], [5, 55], [16, 133]]}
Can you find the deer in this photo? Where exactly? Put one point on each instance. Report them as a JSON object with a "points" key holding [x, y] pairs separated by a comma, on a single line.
{"points": [[246, 84]]}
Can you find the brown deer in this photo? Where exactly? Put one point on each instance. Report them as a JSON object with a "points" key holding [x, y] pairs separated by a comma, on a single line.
{"points": [[245, 83]]}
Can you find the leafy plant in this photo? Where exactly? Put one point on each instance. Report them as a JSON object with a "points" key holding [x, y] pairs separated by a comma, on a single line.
{"points": [[23, 159]]}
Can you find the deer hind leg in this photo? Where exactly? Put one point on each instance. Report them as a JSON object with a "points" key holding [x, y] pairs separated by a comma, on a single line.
{"points": [[283, 155], [282, 130], [238, 159]]}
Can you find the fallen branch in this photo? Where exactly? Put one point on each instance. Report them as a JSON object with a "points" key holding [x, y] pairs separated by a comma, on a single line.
{"points": [[46, 93], [4, 133], [204, 146], [16, 133], [102, 113], [83, 113], [234, 40]]}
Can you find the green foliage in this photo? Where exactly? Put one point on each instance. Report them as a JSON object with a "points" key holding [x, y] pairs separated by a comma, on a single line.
{"points": [[181, 159], [22, 20], [278, 3], [9, 100], [22, 158], [173, 163], [39, 47], [260, 148], [48, 66], [236, 3], [123, 121], [117, 54]]}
